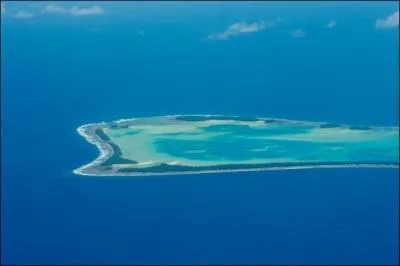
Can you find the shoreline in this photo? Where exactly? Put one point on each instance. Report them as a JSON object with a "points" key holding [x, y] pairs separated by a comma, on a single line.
{"points": [[106, 151], [375, 166]]}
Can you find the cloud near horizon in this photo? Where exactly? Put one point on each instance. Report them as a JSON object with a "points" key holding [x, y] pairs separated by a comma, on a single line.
{"points": [[75, 10], [22, 14], [94, 10], [392, 21], [54, 9], [331, 24], [298, 33], [241, 28]]}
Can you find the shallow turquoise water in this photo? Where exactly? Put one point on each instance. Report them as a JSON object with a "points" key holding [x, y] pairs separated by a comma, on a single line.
{"points": [[219, 141]]}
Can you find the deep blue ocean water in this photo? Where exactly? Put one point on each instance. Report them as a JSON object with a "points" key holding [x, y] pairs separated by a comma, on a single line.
{"points": [[58, 73]]}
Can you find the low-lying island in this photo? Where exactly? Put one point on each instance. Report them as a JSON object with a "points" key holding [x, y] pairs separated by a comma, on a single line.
{"points": [[183, 144]]}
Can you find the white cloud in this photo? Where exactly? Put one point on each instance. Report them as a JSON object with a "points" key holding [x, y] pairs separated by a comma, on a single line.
{"points": [[331, 24], [298, 33], [75, 10], [94, 10], [22, 14], [391, 21], [55, 9], [241, 28]]}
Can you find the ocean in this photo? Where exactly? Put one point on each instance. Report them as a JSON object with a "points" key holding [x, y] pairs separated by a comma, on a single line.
{"points": [[58, 73]]}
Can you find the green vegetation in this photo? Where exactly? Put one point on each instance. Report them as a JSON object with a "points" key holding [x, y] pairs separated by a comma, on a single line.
{"points": [[267, 121], [335, 125], [99, 132], [218, 117], [360, 128], [330, 125], [114, 126], [116, 158], [165, 168]]}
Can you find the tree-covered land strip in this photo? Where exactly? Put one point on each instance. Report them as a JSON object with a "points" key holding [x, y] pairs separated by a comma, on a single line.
{"points": [[116, 157], [165, 168], [217, 117]]}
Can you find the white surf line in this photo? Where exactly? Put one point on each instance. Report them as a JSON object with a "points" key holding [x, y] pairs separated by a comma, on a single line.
{"points": [[105, 153], [124, 120], [238, 116]]}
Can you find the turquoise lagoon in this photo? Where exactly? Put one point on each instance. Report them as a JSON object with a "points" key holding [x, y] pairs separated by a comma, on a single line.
{"points": [[200, 143]]}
